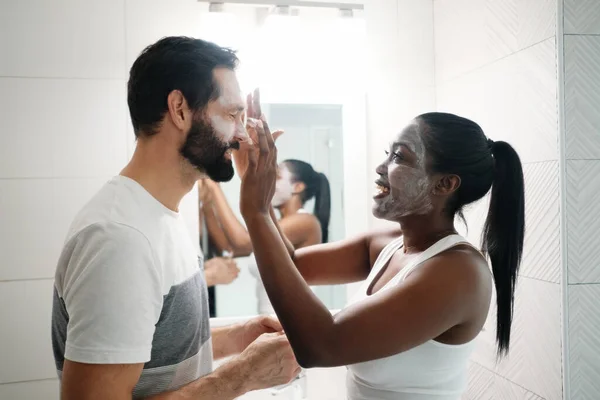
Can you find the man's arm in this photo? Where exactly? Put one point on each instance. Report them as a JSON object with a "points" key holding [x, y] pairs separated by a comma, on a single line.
{"points": [[95, 382], [234, 339], [268, 362], [226, 341]]}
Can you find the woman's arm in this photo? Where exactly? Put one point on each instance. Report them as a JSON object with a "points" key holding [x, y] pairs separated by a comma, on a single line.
{"points": [[215, 231], [345, 261], [234, 231], [379, 326], [224, 224]]}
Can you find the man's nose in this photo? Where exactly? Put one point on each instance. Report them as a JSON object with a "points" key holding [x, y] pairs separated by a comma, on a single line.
{"points": [[240, 134]]}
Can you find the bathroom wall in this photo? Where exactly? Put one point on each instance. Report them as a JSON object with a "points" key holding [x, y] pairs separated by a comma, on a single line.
{"points": [[581, 95], [64, 131], [495, 62]]}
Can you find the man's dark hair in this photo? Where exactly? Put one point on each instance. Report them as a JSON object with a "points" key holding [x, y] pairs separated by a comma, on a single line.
{"points": [[173, 63]]}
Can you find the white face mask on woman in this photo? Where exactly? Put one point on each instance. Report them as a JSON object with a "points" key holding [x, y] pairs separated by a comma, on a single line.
{"points": [[284, 187]]}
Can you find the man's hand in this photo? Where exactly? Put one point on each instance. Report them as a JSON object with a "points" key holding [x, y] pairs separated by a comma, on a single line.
{"points": [[252, 329], [269, 361], [220, 271]]}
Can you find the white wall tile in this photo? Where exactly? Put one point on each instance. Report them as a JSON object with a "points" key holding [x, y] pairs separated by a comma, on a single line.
{"points": [[34, 390], [541, 253], [584, 342], [62, 128], [536, 108], [27, 237], [493, 96], [62, 38], [460, 40], [582, 16], [473, 33], [534, 361], [149, 20], [26, 340], [582, 96], [486, 385], [36, 216], [583, 208], [415, 43]]}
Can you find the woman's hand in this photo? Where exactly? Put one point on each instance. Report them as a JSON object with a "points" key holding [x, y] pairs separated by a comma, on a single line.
{"points": [[206, 189], [220, 271], [253, 116], [258, 181]]}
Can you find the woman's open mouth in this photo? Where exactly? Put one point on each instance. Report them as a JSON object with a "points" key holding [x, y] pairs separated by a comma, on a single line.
{"points": [[382, 190]]}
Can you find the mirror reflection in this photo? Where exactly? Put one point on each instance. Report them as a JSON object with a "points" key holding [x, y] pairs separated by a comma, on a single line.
{"points": [[308, 200], [307, 95]]}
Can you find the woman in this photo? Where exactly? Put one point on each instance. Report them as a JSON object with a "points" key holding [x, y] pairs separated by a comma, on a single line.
{"points": [[410, 330], [297, 182]]}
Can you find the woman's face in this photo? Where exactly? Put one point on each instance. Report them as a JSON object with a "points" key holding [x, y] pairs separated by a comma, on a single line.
{"points": [[284, 186], [403, 187]]}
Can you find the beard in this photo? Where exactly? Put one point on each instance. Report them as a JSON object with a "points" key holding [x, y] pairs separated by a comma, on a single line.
{"points": [[206, 153]]}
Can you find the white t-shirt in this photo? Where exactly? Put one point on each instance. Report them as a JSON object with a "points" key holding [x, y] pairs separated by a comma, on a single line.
{"points": [[129, 289]]}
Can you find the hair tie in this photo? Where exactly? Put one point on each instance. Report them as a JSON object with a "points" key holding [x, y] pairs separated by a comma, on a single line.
{"points": [[490, 144]]}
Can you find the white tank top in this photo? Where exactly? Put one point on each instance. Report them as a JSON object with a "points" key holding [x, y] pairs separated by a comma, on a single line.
{"points": [[431, 371]]}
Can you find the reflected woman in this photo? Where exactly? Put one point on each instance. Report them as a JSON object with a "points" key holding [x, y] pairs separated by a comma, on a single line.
{"points": [[297, 183]]}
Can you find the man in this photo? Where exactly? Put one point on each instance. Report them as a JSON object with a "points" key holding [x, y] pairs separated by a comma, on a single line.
{"points": [[130, 316]]}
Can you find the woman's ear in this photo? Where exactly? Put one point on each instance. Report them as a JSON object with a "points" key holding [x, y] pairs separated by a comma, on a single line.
{"points": [[299, 187], [446, 185]]}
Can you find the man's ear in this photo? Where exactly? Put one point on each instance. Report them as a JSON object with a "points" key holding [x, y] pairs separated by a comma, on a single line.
{"points": [[178, 110], [446, 185]]}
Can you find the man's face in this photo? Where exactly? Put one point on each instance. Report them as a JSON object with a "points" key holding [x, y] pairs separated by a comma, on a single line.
{"points": [[217, 129]]}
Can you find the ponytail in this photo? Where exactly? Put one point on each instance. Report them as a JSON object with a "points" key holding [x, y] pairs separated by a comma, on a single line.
{"points": [[503, 234], [317, 186], [322, 208], [458, 146]]}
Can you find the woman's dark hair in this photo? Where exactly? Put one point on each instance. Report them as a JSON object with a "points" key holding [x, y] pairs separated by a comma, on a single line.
{"points": [[317, 186], [173, 63], [458, 146]]}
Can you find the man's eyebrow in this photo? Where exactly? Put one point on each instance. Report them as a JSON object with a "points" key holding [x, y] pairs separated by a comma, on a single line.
{"points": [[407, 146]]}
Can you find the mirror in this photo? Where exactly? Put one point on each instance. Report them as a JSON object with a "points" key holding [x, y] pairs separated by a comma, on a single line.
{"points": [[313, 134], [309, 65]]}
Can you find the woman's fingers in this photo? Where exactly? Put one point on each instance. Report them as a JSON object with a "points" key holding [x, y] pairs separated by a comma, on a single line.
{"points": [[256, 104], [270, 142], [263, 144], [267, 130], [249, 106], [276, 134]]}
